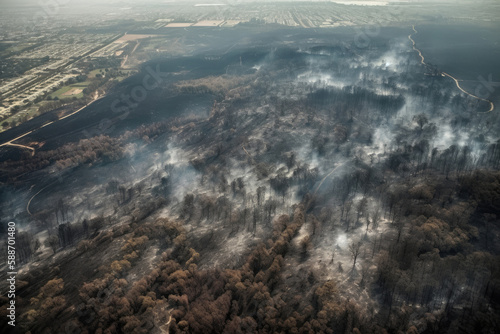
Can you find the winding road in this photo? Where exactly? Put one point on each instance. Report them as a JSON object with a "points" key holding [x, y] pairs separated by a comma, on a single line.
{"points": [[328, 175], [415, 48], [444, 74], [29, 202]]}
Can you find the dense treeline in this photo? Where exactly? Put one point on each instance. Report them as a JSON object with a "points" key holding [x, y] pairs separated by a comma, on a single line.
{"points": [[86, 151], [201, 301], [434, 257], [70, 155]]}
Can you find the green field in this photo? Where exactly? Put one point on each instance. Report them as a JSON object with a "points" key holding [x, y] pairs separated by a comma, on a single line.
{"points": [[93, 73], [83, 84], [14, 48], [27, 114], [60, 92]]}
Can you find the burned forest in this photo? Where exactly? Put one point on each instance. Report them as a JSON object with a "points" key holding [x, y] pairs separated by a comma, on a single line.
{"points": [[291, 184]]}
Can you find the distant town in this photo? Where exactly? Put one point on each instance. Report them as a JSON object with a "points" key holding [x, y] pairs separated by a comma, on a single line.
{"points": [[57, 58]]}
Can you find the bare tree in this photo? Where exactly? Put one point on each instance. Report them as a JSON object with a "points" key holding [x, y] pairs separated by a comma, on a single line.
{"points": [[367, 222], [346, 208], [261, 195], [355, 250], [400, 225], [421, 120], [364, 274], [52, 242], [361, 208], [375, 217], [44, 218], [305, 246], [96, 224]]}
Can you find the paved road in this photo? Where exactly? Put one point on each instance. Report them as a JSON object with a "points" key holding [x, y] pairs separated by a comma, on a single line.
{"points": [[444, 74]]}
